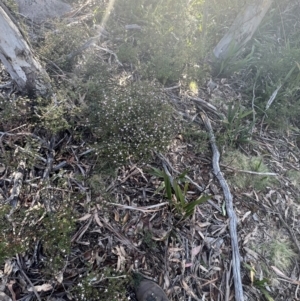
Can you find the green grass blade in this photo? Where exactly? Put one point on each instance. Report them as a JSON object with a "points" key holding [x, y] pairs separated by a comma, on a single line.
{"points": [[178, 193], [167, 186], [156, 172], [190, 207]]}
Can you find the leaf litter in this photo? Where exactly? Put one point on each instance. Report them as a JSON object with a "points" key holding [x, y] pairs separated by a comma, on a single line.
{"points": [[140, 230]]}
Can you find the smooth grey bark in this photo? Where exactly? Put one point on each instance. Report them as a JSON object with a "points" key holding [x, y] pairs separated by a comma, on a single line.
{"points": [[242, 29], [18, 59]]}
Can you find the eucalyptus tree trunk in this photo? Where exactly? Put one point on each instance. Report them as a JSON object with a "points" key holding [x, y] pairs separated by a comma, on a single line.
{"points": [[242, 29], [18, 59]]}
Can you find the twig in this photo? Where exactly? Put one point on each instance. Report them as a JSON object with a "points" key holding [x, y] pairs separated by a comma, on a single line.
{"points": [[273, 96], [227, 292], [86, 45], [6, 86], [202, 103], [118, 235], [253, 110], [49, 161], [143, 209], [110, 52], [172, 88], [26, 277], [250, 172], [239, 296]]}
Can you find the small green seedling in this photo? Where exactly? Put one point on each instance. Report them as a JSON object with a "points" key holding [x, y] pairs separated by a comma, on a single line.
{"points": [[176, 194], [237, 130], [259, 284]]}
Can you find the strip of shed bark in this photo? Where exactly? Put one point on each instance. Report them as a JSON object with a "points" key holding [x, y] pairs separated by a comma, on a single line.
{"points": [[239, 296]]}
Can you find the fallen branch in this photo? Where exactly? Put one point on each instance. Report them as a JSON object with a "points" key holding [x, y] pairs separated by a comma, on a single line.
{"points": [[204, 104], [18, 181], [239, 296]]}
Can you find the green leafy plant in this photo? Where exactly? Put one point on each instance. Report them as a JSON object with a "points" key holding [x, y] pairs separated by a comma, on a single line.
{"points": [[162, 49], [260, 284], [147, 239], [270, 60], [127, 122], [233, 62], [177, 195], [237, 128], [52, 229], [58, 45], [197, 137]]}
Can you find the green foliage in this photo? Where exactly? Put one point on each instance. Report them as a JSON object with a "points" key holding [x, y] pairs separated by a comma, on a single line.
{"points": [[127, 53], [244, 180], [237, 129], [294, 177], [10, 243], [58, 44], [234, 63], [55, 233], [270, 60], [280, 252], [198, 138], [177, 195], [162, 49], [148, 241], [260, 284], [54, 114], [103, 285], [25, 227], [12, 5], [15, 113], [127, 121]]}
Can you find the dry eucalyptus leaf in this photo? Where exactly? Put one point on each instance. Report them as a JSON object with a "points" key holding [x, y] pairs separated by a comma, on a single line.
{"points": [[150, 291], [41, 288]]}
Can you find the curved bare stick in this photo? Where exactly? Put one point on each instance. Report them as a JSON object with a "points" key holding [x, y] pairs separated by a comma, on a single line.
{"points": [[239, 296]]}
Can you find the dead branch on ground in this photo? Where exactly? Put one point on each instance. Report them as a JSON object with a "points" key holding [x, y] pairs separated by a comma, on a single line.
{"points": [[239, 296]]}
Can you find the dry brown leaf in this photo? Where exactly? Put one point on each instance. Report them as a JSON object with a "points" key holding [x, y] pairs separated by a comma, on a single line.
{"points": [[189, 291], [196, 250], [10, 288], [117, 216], [8, 267], [41, 288], [59, 277], [119, 250], [125, 218], [85, 217], [97, 220], [203, 225], [246, 215], [281, 274]]}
